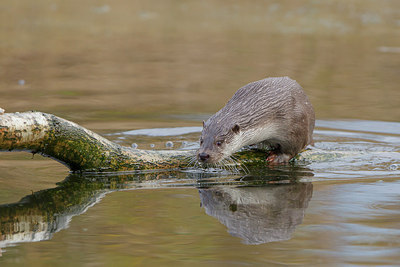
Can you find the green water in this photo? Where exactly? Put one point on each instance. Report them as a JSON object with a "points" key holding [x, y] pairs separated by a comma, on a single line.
{"points": [[119, 66]]}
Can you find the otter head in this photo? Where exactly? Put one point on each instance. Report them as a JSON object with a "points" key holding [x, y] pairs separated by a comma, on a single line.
{"points": [[217, 141]]}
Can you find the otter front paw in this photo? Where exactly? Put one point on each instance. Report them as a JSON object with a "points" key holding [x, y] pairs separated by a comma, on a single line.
{"points": [[274, 159]]}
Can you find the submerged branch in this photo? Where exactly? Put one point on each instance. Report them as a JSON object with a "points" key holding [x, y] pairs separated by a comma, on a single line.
{"points": [[83, 150]]}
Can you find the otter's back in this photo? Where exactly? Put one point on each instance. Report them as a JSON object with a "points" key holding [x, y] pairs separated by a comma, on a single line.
{"points": [[273, 111], [265, 100]]}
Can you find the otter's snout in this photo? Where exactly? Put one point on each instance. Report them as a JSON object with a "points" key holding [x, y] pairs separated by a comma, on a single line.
{"points": [[203, 156]]}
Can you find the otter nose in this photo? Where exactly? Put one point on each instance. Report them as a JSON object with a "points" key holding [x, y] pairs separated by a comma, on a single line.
{"points": [[203, 156]]}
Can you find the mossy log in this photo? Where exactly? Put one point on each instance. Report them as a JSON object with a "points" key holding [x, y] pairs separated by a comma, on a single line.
{"points": [[83, 150]]}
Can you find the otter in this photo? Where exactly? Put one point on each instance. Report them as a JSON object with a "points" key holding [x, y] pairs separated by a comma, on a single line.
{"points": [[273, 112]]}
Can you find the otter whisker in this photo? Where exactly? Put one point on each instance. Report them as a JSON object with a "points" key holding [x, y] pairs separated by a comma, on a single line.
{"points": [[228, 166], [216, 166], [242, 166], [232, 166], [191, 162], [224, 165], [188, 157], [212, 166], [196, 164], [235, 165], [238, 166], [219, 166]]}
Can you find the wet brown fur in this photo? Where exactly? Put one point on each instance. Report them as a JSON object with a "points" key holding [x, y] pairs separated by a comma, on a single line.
{"points": [[278, 107]]}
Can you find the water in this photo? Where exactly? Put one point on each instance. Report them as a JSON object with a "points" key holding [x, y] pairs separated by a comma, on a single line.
{"points": [[147, 73], [338, 209]]}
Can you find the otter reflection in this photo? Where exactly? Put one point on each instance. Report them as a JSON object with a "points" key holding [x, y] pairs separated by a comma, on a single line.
{"points": [[258, 214], [38, 216]]}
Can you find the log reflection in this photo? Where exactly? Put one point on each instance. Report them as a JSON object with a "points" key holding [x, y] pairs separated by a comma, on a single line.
{"points": [[255, 214]]}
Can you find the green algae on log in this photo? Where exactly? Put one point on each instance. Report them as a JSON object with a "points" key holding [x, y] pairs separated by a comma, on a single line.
{"points": [[83, 150]]}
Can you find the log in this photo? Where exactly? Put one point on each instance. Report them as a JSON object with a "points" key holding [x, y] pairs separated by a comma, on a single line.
{"points": [[82, 150]]}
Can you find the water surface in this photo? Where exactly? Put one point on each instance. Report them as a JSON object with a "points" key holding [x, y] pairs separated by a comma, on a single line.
{"points": [[340, 208], [133, 70]]}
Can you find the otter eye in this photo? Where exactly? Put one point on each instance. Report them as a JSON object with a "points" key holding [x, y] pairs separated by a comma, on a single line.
{"points": [[219, 143], [201, 141]]}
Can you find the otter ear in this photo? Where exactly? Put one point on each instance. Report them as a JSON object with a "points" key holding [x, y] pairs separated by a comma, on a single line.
{"points": [[236, 128], [204, 124]]}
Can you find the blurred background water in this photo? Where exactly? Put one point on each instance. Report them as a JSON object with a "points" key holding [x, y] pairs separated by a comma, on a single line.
{"points": [[117, 66]]}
